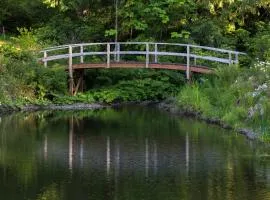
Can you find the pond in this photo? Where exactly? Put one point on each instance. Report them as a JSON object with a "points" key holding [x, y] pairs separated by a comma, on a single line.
{"points": [[127, 153]]}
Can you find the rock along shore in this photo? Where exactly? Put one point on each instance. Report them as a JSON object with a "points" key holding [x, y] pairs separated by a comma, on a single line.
{"points": [[4, 109], [171, 107]]}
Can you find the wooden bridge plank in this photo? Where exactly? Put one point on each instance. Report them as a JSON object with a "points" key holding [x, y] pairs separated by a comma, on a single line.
{"points": [[182, 67]]}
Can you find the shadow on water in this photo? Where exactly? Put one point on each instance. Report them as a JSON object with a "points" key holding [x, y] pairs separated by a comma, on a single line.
{"points": [[127, 153]]}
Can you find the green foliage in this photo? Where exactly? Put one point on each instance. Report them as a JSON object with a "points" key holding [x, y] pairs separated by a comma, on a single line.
{"points": [[108, 77], [227, 23], [79, 98], [50, 193], [136, 90], [260, 44], [239, 97], [23, 80], [194, 99], [50, 81], [236, 116], [126, 91]]}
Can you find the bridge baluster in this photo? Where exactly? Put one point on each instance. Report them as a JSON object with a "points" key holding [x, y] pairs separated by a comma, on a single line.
{"points": [[115, 52], [236, 58], [230, 58], [147, 55], [108, 55], [81, 52], [156, 51], [45, 57], [118, 52], [188, 63]]}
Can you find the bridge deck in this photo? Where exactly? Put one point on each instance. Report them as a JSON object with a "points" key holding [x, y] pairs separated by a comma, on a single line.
{"points": [[182, 67]]}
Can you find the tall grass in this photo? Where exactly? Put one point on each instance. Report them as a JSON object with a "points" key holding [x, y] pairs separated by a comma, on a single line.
{"points": [[239, 97]]}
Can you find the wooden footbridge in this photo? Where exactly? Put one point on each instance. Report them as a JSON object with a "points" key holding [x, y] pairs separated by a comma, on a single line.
{"points": [[193, 58]]}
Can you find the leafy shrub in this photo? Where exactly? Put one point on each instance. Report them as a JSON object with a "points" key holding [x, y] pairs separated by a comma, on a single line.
{"points": [[50, 81], [22, 79], [80, 97], [135, 90]]}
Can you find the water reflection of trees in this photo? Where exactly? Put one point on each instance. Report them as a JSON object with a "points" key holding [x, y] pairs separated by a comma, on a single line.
{"points": [[126, 154]]}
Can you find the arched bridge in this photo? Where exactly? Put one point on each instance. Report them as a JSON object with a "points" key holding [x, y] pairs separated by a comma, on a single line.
{"points": [[174, 56]]}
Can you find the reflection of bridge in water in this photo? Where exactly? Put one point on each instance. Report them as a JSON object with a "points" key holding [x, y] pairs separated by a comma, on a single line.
{"points": [[105, 152]]}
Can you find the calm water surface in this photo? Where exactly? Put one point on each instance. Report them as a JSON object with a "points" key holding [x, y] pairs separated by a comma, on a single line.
{"points": [[128, 153]]}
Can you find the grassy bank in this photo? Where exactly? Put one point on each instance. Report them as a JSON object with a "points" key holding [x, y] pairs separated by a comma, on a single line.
{"points": [[237, 96]]}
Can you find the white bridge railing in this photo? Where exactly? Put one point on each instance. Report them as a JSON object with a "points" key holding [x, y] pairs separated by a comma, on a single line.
{"points": [[114, 52]]}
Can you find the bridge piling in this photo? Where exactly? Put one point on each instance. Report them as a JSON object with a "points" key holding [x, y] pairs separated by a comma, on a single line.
{"points": [[80, 82]]}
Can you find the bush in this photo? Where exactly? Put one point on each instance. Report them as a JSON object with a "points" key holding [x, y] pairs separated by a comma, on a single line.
{"points": [[135, 90], [22, 78]]}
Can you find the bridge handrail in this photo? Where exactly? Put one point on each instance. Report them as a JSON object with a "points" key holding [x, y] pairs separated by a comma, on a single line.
{"points": [[117, 52], [142, 43]]}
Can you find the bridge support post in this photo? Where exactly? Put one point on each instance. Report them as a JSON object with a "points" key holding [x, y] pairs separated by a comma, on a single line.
{"points": [[79, 83], [70, 70], [188, 63]]}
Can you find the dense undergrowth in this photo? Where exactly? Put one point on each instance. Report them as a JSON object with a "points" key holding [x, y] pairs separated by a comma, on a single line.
{"points": [[23, 80], [124, 91], [237, 96]]}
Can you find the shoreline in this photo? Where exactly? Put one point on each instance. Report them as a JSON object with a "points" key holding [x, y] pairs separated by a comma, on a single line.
{"points": [[5, 109], [172, 108], [166, 105]]}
